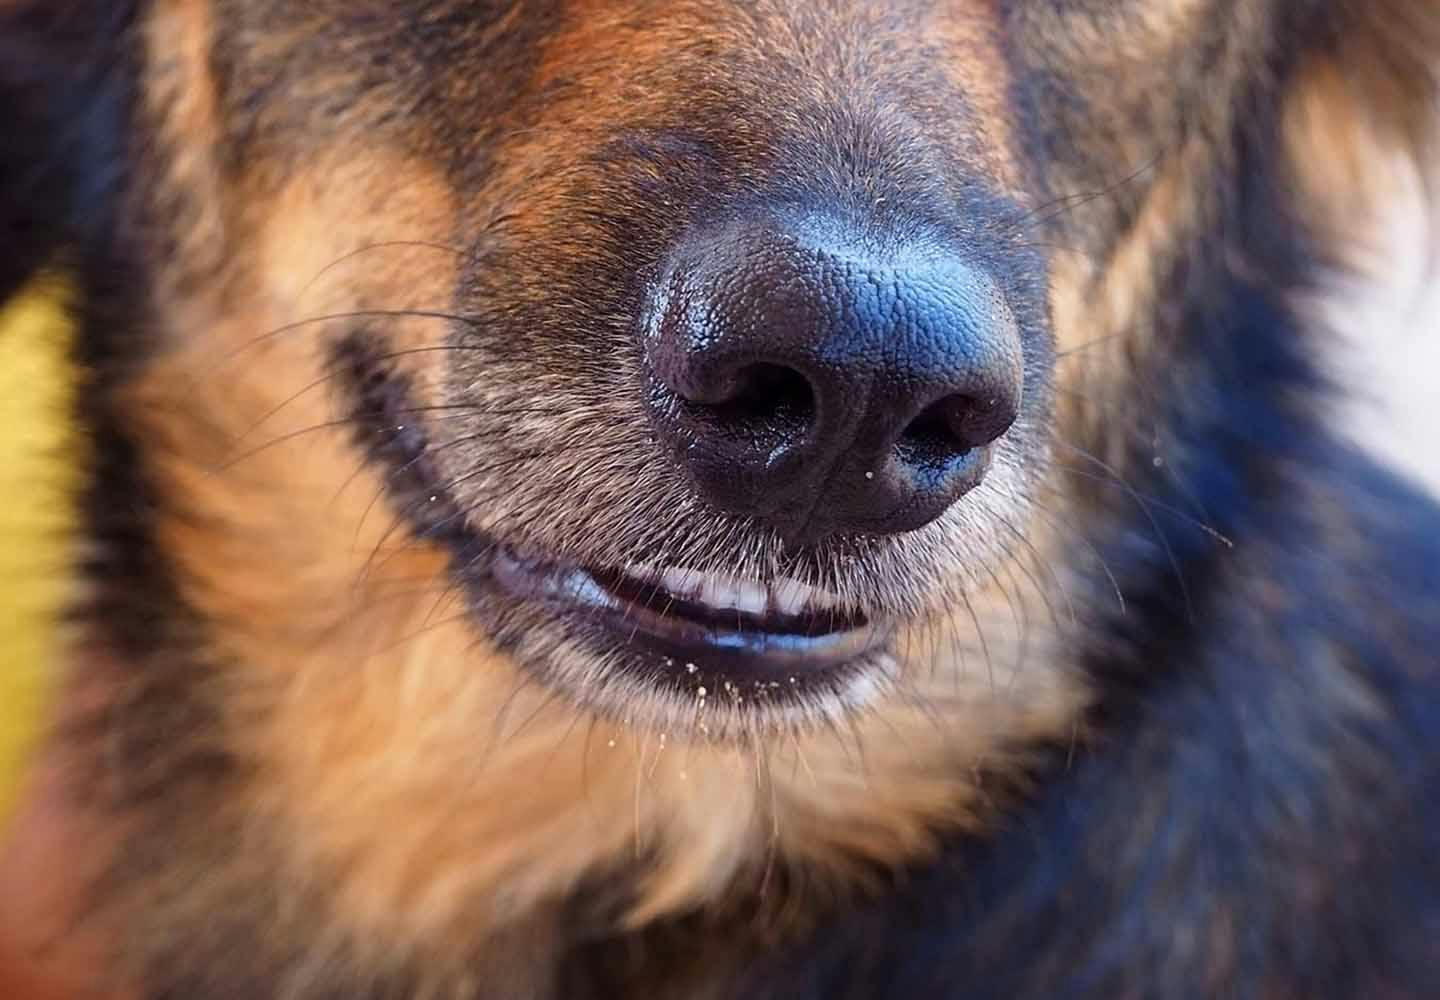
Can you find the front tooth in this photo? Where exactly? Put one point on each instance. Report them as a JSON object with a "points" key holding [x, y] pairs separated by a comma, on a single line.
{"points": [[645, 572], [792, 597], [751, 597], [684, 583], [728, 593], [717, 592], [733, 594]]}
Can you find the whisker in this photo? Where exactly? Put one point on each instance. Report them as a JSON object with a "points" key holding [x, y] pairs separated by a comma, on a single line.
{"points": [[497, 725], [1084, 539], [336, 317], [1149, 516], [980, 635], [1068, 203], [385, 244], [1078, 251], [1070, 352], [575, 717], [1113, 478], [459, 516], [1042, 564], [276, 442]]}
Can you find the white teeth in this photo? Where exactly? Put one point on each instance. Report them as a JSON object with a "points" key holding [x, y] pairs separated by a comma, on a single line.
{"points": [[751, 597], [685, 583], [741, 595], [729, 593], [792, 597]]}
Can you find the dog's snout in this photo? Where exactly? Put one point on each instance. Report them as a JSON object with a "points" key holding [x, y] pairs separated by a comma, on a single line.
{"points": [[825, 382]]}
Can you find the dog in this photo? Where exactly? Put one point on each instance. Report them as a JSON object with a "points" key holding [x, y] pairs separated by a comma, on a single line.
{"points": [[748, 498]]}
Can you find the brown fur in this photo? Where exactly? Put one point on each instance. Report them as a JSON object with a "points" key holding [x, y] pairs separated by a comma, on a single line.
{"points": [[1364, 123]]}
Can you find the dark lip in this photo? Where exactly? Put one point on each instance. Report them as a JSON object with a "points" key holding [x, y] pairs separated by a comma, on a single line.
{"points": [[673, 647]]}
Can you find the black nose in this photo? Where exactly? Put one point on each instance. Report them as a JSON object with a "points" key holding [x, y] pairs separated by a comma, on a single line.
{"points": [[824, 383]]}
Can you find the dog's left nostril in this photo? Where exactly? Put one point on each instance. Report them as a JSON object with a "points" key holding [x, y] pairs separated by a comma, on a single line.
{"points": [[931, 439], [956, 425]]}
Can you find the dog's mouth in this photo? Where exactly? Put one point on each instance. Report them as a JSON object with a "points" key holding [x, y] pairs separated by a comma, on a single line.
{"points": [[741, 642], [752, 631]]}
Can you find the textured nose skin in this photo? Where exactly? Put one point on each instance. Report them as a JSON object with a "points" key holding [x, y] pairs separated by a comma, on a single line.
{"points": [[824, 385]]}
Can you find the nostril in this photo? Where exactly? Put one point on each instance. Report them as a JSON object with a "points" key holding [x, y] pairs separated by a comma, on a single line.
{"points": [[954, 426], [930, 439], [978, 420], [761, 400]]}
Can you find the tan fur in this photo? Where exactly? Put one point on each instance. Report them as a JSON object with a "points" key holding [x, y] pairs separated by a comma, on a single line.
{"points": [[1363, 125], [1360, 135], [416, 777], [180, 100], [980, 71], [398, 750]]}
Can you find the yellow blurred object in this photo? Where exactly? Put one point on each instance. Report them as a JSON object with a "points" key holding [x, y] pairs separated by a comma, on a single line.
{"points": [[39, 474]]}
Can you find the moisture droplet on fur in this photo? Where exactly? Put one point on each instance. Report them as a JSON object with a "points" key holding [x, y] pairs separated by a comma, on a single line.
{"points": [[691, 668]]}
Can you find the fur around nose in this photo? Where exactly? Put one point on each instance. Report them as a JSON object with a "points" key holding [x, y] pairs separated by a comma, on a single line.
{"points": [[825, 382]]}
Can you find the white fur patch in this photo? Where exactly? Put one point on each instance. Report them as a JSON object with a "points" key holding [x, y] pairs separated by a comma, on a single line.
{"points": [[1387, 315]]}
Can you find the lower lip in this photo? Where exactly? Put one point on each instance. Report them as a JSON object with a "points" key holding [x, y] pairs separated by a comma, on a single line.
{"points": [[741, 653]]}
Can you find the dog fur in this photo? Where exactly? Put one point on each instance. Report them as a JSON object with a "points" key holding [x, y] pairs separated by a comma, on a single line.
{"points": [[1161, 721]]}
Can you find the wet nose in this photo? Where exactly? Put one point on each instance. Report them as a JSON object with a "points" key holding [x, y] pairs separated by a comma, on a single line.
{"points": [[825, 383]]}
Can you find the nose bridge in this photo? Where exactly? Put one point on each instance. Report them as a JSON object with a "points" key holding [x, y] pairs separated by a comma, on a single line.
{"points": [[815, 99], [867, 157], [867, 385]]}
